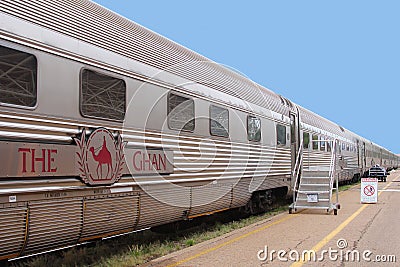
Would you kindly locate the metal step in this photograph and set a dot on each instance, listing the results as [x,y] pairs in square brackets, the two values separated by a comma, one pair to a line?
[302,202]
[321,195]
[312,207]
[319,199]
[315,187]
[315,180]
[314,173]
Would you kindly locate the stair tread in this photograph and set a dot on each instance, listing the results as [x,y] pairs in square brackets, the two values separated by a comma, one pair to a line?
[315,177]
[316,184]
[319,199]
[313,191]
[312,207]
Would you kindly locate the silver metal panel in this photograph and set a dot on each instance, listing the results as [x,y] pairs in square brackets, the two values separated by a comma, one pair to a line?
[155,211]
[109,215]
[275,182]
[211,197]
[53,224]
[241,193]
[12,230]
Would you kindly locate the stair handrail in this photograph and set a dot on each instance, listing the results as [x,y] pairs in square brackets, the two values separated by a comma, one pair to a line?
[296,169]
[332,169]
[333,158]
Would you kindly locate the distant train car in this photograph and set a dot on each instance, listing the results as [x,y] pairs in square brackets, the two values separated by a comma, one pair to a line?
[107,127]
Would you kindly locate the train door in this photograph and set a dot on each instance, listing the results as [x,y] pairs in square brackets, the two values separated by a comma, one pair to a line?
[360,155]
[294,137]
[364,157]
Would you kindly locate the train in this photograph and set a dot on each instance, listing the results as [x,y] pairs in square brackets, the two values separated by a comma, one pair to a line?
[107,127]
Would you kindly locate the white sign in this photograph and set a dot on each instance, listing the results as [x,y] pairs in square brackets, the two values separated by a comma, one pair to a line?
[369,190]
[312,198]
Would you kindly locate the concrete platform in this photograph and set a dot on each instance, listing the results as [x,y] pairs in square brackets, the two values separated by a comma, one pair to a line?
[360,235]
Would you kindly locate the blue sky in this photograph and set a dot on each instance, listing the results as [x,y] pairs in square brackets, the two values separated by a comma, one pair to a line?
[340,59]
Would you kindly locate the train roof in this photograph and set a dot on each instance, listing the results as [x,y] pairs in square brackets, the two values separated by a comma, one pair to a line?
[89,22]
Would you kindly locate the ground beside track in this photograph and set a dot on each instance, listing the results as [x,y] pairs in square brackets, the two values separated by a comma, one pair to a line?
[369,230]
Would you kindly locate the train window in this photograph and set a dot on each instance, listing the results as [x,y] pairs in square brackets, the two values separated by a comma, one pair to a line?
[306,140]
[315,142]
[180,113]
[18,81]
[219,121]
[253,128]
[102,96]
[280,134]
[322,144]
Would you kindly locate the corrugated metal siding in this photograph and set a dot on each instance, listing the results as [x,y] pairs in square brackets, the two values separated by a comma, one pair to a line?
[201,158]
[211,197]
[89,22]
[155,212]
[109,215]
[35,128]
[12,230]
[350,169]
[53,224]
[241,193]
[272,182]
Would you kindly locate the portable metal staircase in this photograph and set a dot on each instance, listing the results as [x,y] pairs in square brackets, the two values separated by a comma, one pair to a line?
[313,186]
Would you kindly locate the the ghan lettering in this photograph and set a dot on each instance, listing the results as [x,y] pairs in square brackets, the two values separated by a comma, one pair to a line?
[143,161]
[38,160]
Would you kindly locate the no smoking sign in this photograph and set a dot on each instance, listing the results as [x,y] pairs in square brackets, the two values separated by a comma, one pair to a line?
[369,190]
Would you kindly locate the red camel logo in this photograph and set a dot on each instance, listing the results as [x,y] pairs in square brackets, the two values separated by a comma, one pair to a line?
[100,158]
[103,157]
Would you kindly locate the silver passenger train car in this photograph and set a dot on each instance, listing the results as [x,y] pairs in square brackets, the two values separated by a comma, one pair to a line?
[107,127]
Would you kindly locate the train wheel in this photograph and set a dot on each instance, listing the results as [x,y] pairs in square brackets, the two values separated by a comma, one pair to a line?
[290,210]
[335,211]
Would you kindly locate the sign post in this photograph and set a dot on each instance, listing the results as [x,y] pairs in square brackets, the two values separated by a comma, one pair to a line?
[369,190]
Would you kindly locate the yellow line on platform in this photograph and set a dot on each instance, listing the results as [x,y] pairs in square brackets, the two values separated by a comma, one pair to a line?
[206,251]
[332,234]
